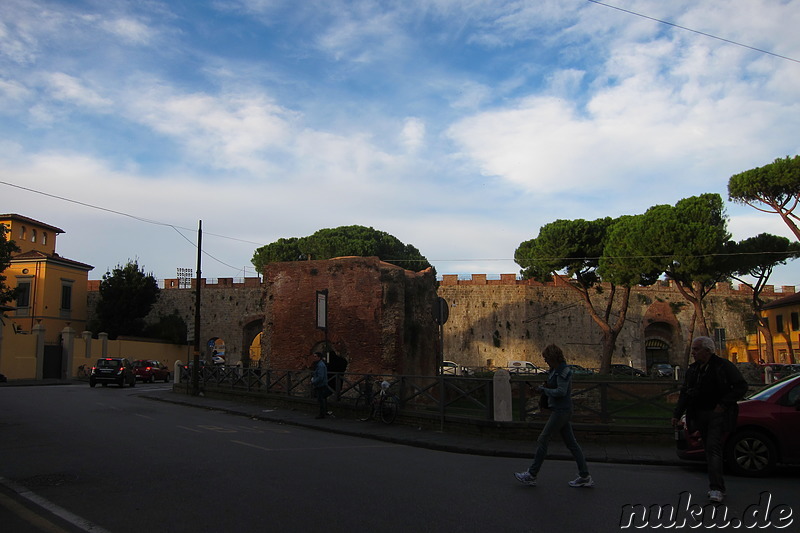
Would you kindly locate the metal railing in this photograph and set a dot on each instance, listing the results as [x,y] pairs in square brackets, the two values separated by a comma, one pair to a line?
[595,400]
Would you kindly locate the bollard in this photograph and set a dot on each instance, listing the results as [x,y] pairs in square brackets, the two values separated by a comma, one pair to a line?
[176,375]
[768,375]
[502,396]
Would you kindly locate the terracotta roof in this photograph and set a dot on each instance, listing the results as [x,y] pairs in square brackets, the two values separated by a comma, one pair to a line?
[792,299]
[36,255]
[20,218]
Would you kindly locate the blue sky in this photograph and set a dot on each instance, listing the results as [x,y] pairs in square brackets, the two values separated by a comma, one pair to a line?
[458,126]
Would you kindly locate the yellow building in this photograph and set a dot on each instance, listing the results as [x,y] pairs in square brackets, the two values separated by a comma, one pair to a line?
[783,320]
[51,289]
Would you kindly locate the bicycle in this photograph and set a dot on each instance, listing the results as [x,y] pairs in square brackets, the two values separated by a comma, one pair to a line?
[383,404]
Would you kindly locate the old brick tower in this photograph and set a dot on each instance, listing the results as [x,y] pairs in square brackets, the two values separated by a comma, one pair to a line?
[379,316]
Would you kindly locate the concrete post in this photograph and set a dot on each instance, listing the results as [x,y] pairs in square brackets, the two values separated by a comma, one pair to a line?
[502,396]
[103,343]
[67,349]
[176,373]
[38,331]
[87,344]
[767,375]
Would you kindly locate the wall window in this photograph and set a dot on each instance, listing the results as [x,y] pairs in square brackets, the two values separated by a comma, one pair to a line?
[44,238]
[795,321]
[23,233]
[33,235]
[779,323]
[23,298]
[66,297]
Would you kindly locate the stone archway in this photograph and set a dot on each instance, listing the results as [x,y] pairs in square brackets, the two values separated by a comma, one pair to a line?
[251,332]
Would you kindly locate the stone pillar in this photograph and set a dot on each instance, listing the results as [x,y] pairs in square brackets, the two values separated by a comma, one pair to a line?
[502,396]
[87,344]
[38,331]
[68,348]
[104,344]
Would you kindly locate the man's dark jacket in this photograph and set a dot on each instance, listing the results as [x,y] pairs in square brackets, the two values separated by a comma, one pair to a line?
[718,382]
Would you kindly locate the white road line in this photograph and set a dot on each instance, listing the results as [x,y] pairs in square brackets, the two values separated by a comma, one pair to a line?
[315,448]
[75,520]
[190,429]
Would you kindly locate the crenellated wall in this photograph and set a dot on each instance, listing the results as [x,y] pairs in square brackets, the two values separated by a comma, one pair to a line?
[498,320]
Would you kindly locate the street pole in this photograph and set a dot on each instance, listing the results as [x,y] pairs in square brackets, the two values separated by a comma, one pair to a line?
[196,364]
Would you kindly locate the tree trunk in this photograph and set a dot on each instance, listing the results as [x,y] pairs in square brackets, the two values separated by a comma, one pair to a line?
[763,330]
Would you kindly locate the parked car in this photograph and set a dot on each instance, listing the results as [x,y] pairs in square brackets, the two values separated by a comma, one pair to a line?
[661,370]
[112,370]
[451,368]
[767,431]
[625,370]
[581,371]
[524,367]
[149,370]
[781,370]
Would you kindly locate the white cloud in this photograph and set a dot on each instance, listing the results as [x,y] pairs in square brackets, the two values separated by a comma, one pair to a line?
[70,89]
[129,29]
[413,133]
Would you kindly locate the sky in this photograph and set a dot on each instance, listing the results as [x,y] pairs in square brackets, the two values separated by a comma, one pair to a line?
[458,126]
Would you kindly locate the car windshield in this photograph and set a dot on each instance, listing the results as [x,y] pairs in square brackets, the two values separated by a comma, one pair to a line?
[108,363]
[769,392]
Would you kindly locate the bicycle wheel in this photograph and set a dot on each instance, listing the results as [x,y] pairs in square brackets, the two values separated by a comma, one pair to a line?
[389,409]
[363,408]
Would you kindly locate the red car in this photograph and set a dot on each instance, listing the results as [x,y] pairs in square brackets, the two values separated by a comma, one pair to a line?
[149,370]
[767,431]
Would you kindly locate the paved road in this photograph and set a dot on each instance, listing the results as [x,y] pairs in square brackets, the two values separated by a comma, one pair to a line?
[115,461]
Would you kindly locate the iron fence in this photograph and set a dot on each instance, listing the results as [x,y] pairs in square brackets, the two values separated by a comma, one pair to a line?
[619,401]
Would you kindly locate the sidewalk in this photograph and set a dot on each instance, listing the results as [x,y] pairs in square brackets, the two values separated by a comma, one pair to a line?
[631,450]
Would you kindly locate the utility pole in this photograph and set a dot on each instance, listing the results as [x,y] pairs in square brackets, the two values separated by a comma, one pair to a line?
[196,364]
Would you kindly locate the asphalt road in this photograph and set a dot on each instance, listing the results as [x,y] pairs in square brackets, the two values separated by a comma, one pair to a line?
[104,459]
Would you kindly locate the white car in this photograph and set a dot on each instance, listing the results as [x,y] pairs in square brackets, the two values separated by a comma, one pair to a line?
[450,368]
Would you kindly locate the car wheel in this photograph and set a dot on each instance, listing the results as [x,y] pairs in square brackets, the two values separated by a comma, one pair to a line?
[92,383]
[751,453]
[133,382]
[105,384]
[166,377]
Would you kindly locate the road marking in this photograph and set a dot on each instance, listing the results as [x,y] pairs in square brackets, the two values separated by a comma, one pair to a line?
[190,429]
[315,448]
[253,445]
[145,416]
[40,521]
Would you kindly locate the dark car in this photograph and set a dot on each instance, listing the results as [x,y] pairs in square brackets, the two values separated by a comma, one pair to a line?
[581,371]
[661,370]
[625,370]
[149,370]
[112,370]
[767,432]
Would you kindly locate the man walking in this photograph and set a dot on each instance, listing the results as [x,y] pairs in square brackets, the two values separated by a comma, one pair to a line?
[710,390]
[320,382]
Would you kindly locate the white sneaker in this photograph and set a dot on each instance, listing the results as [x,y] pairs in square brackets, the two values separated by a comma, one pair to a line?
[582,482]
[716,496]
[526,478]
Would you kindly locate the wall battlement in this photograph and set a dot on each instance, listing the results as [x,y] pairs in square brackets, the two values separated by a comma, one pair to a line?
[769,291]
[665,285]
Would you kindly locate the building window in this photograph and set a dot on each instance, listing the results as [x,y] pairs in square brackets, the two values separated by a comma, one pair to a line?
[779,323]
[66,297]
[795,321]
[23,233]
[23,298]
[719,340]
[33,235]
[44,238]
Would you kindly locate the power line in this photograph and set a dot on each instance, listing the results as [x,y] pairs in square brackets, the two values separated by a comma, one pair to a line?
[694,31]
[140,219]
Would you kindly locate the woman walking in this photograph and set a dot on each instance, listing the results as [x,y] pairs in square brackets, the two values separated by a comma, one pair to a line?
[558,392]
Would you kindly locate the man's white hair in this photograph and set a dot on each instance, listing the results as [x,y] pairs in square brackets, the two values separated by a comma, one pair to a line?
[706,342]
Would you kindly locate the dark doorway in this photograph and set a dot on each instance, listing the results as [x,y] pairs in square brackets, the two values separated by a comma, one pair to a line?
[52,364]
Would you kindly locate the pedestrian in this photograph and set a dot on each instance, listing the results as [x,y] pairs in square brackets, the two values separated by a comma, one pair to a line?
[708,396]
[558,392]
[320,383]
